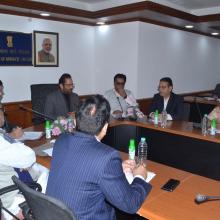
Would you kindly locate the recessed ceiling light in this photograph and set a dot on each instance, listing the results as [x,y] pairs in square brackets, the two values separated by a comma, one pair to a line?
[189,26]
[215,33]
[45,14]
[100,23]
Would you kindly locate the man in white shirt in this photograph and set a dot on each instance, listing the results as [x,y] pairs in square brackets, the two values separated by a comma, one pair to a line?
[15,155]
[122,101]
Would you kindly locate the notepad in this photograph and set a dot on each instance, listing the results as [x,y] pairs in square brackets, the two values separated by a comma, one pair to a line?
[48,151]
[130,177]
[31,135]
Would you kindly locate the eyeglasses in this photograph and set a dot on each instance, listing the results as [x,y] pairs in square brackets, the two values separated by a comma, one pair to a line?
[69,85]
[120,83]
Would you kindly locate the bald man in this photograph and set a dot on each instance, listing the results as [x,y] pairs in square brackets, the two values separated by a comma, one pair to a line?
[44,55]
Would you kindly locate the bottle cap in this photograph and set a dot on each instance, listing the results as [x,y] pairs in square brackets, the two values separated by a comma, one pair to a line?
[143,139]
[132,144]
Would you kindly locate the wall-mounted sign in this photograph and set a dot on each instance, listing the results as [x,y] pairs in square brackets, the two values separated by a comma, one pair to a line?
[15,49]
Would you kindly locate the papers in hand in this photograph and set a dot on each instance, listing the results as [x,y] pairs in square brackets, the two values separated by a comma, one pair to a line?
[48,151]
[31,135]
[130,177]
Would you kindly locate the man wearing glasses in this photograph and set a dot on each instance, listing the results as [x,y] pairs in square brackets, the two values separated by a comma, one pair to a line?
[167,100]
[122,101]
[62,102]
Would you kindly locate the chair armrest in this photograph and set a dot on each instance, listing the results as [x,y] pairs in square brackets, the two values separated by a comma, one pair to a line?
[8,189]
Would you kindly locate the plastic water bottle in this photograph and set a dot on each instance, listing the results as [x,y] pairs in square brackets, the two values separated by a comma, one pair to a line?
[213,126]
[142,152]
[156,117]
[48,129]
[131,149]
[204,125]
[164,119]
[70,125]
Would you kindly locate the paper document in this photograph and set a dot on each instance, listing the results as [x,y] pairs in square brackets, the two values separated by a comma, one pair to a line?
[48,151]
[130,177]
[31,135]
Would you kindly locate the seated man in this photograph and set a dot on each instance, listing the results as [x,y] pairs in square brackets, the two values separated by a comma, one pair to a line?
[87,175]
[62,102]
[14,157]
[167,100]
[121,100]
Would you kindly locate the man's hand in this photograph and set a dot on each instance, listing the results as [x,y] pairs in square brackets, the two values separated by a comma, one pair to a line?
[140,170]
[16,133]
[117,113]
[128,166]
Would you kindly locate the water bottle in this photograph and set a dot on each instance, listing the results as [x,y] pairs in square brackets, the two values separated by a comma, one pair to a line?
[213,126]
[142,152]
[156,117]
[131,149]
[164,119]
[204,125]
[70,125]
[48,129]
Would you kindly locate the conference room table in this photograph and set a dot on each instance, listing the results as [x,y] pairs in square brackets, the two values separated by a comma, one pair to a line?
[160,204]
[200,105]
[179,145]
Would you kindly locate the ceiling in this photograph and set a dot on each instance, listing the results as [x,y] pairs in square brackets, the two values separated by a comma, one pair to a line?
[168,13]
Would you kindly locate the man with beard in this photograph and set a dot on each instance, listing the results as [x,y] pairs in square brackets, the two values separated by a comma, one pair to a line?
[45,55]
[62,102]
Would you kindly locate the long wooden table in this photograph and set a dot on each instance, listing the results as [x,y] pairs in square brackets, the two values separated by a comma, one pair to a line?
[179,145]
[162,205]
[177,205]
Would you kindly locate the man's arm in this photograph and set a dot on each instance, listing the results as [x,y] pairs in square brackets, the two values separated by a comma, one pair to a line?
[117,190]
[16,155]
[178,115]
[49,107]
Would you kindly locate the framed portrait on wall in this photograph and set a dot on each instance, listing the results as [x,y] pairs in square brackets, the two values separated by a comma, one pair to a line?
[46,49]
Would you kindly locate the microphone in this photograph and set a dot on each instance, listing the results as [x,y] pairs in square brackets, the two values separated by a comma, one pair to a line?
[37,113]
[198,108]
[120,104]
[203,198]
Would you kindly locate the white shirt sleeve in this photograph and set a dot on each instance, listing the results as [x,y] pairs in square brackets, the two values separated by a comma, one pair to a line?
[16,154]
[169,117]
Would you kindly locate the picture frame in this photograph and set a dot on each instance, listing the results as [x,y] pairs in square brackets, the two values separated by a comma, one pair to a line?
[46,49]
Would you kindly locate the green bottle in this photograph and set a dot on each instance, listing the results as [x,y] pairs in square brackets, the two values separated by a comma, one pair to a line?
[213,126]
[131,149]
[156,117]
[48,129]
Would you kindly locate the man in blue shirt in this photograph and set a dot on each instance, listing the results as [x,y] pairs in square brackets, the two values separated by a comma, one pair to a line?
[88,175]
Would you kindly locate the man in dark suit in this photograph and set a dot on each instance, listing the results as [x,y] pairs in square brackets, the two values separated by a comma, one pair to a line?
[167,100]
[62,102]
[88,175]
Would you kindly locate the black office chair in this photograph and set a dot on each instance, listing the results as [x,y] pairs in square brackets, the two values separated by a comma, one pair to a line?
[186,111]
[39,94]
[217,90]
[42,206]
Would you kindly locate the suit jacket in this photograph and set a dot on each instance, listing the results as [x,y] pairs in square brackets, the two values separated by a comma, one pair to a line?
[87,176]
[55,104]
[174,106]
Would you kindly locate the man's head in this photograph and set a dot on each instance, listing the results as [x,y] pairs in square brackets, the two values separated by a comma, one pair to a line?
[66,83]
[119,81]
[165,86]
[47,45]
[93,116]
[1,90]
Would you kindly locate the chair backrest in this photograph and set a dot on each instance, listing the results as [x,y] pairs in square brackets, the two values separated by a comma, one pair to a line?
[217,90]
[186,111]
[43,206]
[39,94]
